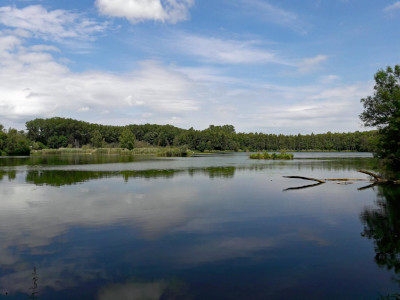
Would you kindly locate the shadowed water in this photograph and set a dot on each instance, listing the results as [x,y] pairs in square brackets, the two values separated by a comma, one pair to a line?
[208,227]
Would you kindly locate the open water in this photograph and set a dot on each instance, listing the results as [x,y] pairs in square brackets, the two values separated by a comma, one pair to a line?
[207,227]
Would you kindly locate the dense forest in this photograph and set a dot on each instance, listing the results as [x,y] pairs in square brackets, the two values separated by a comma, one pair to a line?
[61,132]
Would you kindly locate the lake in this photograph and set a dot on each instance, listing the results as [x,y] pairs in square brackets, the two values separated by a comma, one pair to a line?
[204,227]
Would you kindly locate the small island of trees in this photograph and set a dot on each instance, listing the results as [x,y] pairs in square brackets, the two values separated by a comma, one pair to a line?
[266,155]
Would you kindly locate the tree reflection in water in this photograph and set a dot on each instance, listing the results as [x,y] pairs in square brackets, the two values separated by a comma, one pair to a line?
[382,225]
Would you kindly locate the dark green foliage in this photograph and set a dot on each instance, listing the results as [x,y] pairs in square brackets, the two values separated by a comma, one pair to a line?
[77,133]
[38,146]
[14,142]
[214,138]
[127,139]
[383,107]
[97,139]
[3,139]
[55,142]
[383,111]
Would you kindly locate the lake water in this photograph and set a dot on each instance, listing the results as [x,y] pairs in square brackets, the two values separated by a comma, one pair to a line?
[208,227]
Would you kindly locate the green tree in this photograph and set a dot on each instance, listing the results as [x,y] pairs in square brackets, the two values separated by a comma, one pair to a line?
[127,139]
[17,143]
[56,142]
[97,139]
[3,138]
[383,111]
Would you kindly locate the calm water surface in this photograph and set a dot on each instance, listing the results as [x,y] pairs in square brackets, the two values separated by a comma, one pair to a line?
[207,227]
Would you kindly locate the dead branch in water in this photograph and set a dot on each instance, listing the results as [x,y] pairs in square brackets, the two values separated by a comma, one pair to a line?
[346,179]
[306,178]
[376,180]
[367,186]
[377,177]
[303,186]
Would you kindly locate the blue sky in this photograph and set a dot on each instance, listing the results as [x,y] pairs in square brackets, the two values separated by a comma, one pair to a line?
[261,65]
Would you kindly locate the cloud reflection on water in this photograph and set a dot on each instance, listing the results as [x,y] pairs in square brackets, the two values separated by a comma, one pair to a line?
[182,221]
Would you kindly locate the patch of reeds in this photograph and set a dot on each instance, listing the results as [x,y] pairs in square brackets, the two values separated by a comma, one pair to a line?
[162,151]
[62,151]
[66,151]
[266,155]
[174,152]
[111,151]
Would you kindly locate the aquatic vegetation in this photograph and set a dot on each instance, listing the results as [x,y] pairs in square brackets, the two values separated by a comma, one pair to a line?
[266,155]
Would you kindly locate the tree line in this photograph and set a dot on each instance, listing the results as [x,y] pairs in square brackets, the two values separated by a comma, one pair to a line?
[62,132]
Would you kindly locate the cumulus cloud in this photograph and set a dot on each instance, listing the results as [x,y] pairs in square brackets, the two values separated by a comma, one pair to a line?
[315,109]
[171,11]
[33,84]
[8,43]
[56,25]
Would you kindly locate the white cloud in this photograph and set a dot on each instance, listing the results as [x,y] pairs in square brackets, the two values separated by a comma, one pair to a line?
[327,79]
[307,109]
[227,51]
[312,63]
[171,11]
[271,13]
[54,25]
[42,48]
[393,7]
[9,42]
[33,84]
